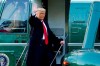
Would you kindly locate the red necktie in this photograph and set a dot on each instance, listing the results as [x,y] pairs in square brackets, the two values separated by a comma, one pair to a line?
[45,33]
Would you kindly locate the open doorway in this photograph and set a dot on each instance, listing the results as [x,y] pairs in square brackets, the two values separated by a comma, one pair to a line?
[45,5]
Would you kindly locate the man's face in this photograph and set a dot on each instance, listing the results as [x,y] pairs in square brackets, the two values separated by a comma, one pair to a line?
[40,14]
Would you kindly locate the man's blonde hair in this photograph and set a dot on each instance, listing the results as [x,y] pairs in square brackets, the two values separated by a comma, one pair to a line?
[40,9]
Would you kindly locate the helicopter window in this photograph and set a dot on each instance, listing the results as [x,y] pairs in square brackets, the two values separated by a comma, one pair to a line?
[14,16]
[98,34]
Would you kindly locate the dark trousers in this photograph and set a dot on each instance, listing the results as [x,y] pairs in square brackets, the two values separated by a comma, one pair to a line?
[39,55]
